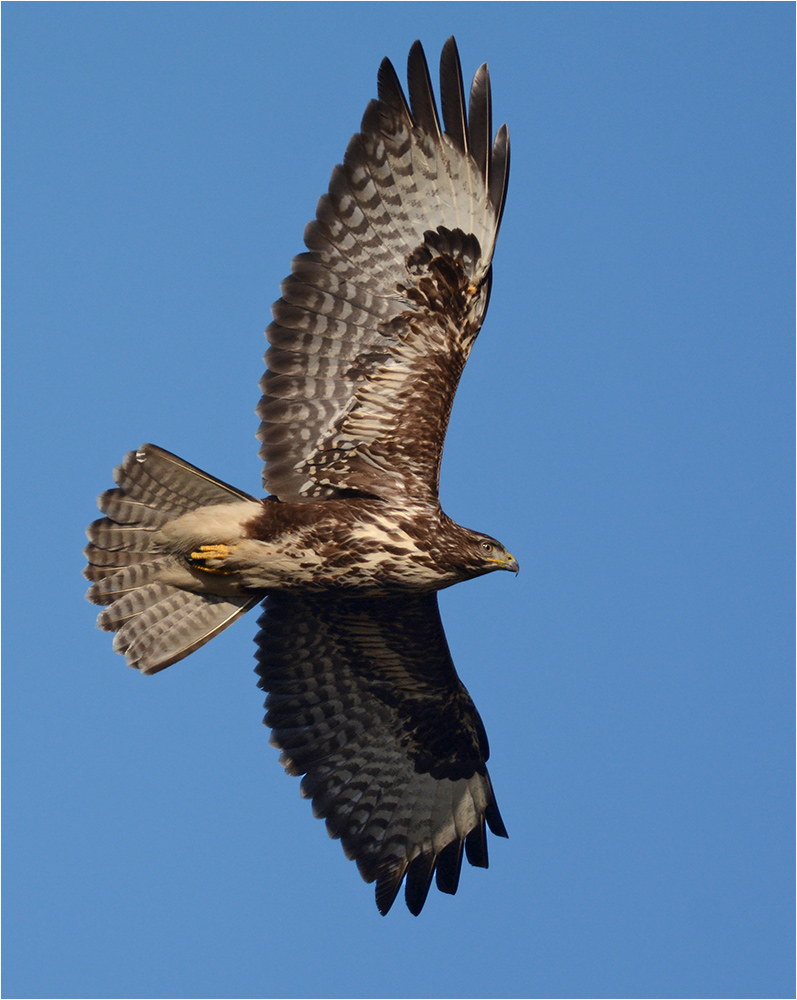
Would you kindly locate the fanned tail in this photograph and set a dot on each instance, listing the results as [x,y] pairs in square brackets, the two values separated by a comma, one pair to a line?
[157,621]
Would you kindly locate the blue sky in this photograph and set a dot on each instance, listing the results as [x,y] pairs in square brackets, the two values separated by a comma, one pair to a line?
[624,426]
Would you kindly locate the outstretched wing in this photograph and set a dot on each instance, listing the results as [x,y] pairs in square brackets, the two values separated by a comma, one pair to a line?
[376,321]
[365,702]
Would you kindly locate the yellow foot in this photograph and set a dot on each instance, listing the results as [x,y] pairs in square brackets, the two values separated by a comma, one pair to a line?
[211,553]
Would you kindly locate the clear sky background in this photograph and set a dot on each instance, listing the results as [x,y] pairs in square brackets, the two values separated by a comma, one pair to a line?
[625,426]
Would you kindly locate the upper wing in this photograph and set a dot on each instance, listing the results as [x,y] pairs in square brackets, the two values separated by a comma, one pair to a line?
[376,321]
[365,702]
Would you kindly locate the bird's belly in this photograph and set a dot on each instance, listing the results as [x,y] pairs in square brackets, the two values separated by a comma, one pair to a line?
[367,569]
[368,555]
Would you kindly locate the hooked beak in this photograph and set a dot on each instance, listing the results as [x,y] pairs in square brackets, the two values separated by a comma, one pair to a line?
[509,563]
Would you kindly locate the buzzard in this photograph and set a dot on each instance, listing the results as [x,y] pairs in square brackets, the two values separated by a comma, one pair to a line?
[348,551]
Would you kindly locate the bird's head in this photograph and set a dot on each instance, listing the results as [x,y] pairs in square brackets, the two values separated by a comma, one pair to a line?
[489,554]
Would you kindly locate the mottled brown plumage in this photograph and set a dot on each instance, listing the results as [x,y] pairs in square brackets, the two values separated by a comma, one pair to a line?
[369,339]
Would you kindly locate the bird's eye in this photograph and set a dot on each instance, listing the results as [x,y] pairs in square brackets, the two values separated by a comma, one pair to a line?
[487,547]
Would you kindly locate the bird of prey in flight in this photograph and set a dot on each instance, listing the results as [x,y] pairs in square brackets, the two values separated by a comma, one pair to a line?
[349,549]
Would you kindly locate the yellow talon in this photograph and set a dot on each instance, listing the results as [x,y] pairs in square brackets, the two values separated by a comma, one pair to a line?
[209,552]
[472,289]
[220,551]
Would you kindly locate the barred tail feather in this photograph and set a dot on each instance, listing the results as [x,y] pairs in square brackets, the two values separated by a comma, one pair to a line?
[157,622]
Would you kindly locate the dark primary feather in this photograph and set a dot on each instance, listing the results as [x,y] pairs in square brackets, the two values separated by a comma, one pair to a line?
[499,172]
[419,85]
[391,96]
[378,317]
[365,702]
[452,96]
[480,121]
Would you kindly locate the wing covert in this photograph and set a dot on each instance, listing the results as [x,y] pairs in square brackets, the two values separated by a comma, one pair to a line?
[377,319]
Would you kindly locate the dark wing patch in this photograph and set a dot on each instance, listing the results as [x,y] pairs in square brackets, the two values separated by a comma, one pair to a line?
[365,702]
[377,320]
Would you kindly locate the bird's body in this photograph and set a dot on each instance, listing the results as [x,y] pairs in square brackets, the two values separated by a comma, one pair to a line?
[364,545]
[360,545]
[368,343]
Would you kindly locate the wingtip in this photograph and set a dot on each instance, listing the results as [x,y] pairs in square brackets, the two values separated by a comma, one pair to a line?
[450,45]
[388,884]
[452,96]
[419,879]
